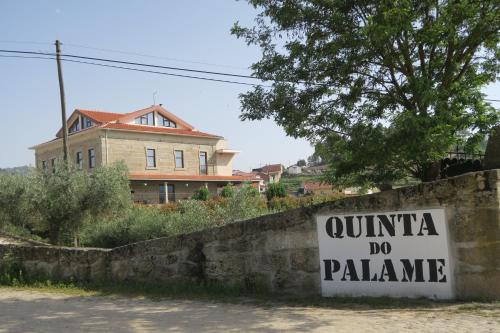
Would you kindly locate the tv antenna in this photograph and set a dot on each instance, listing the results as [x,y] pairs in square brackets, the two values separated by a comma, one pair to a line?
[154,97]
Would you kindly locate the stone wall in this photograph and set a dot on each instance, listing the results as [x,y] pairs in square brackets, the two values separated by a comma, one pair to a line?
[280,252]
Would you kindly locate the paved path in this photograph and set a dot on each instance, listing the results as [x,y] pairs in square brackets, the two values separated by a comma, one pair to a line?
[26,311]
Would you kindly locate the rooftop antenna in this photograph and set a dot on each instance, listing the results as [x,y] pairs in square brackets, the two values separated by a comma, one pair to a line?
[154,97]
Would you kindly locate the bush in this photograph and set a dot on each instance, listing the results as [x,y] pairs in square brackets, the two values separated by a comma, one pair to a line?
[227,191]
[169,207]
[201,194]
[280,204]
[147,222]
[276,190]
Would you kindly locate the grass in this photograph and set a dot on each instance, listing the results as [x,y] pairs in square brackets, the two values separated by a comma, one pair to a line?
[220,293]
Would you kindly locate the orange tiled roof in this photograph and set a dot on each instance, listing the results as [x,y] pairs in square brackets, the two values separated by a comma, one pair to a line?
[168,130]
[119,121]
[100,116]
[142,176]
[270,168]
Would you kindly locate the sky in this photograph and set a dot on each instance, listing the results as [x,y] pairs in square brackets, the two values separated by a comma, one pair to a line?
[191,33]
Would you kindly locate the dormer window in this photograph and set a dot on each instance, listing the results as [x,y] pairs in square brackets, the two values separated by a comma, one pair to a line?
[75,127]
[165,122]
[86,122]
[146,119]
[80,123]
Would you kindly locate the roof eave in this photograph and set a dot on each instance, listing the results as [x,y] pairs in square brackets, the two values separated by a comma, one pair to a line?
[167,133]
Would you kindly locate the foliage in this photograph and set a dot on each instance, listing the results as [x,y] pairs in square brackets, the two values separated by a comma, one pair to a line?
[293,183]
[56,203]
[275,190]
[14,202]
[301,163]
[11,270]
[201,194]
[383,88]
[227,191]
[282,204]
[246,203]
[147,222]
[314,160]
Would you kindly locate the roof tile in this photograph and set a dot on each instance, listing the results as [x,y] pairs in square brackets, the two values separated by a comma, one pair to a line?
[153,129]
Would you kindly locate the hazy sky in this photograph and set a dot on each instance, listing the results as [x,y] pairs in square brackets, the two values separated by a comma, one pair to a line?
[189,33]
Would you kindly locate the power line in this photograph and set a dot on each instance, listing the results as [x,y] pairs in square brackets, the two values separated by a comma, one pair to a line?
[137,70]
[134,64]
[48,54]
[152,56]
[125,52]
[23,42]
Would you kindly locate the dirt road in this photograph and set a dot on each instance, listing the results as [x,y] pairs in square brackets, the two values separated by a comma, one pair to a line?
[29,311]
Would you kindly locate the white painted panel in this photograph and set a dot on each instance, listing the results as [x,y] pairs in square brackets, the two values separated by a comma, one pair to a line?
[418,251]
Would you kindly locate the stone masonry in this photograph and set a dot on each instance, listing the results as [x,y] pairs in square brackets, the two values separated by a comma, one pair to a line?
[279,252]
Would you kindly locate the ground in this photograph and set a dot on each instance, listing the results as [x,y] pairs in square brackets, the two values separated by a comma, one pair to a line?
[28,310]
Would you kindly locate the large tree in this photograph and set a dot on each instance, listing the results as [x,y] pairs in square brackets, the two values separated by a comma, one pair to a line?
[383,88]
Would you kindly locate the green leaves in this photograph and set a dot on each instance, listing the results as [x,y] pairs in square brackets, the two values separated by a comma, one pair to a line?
[406,74]
[56,203]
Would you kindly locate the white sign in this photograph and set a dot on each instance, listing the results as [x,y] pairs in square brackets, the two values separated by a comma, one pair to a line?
[400,254]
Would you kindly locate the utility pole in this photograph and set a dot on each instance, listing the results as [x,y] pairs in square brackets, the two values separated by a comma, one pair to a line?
[63,101]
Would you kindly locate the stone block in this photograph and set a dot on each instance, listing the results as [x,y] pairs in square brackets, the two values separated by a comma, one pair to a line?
[306,260]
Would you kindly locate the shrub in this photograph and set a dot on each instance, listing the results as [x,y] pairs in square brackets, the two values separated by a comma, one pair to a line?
[201,194]
[169,207]
[246,203]
[280,204]
[227,191]
[147,222]
[276,190]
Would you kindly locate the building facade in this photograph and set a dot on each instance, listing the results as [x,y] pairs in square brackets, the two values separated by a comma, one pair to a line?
[272,172]
[167,158]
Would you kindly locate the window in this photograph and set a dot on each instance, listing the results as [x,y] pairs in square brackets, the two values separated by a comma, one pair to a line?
[179,159]
[75,127]
[53,164]
[79,160]
[203,163]
[151,158]
[171,192]
[167,122]
[86,122]
[44,165]
[146,119]
[91,158]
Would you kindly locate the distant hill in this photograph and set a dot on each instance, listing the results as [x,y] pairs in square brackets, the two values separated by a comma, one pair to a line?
[22,170]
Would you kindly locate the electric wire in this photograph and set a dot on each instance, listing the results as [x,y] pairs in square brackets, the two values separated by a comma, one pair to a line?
[125,52]
[52,55]
[138,70]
